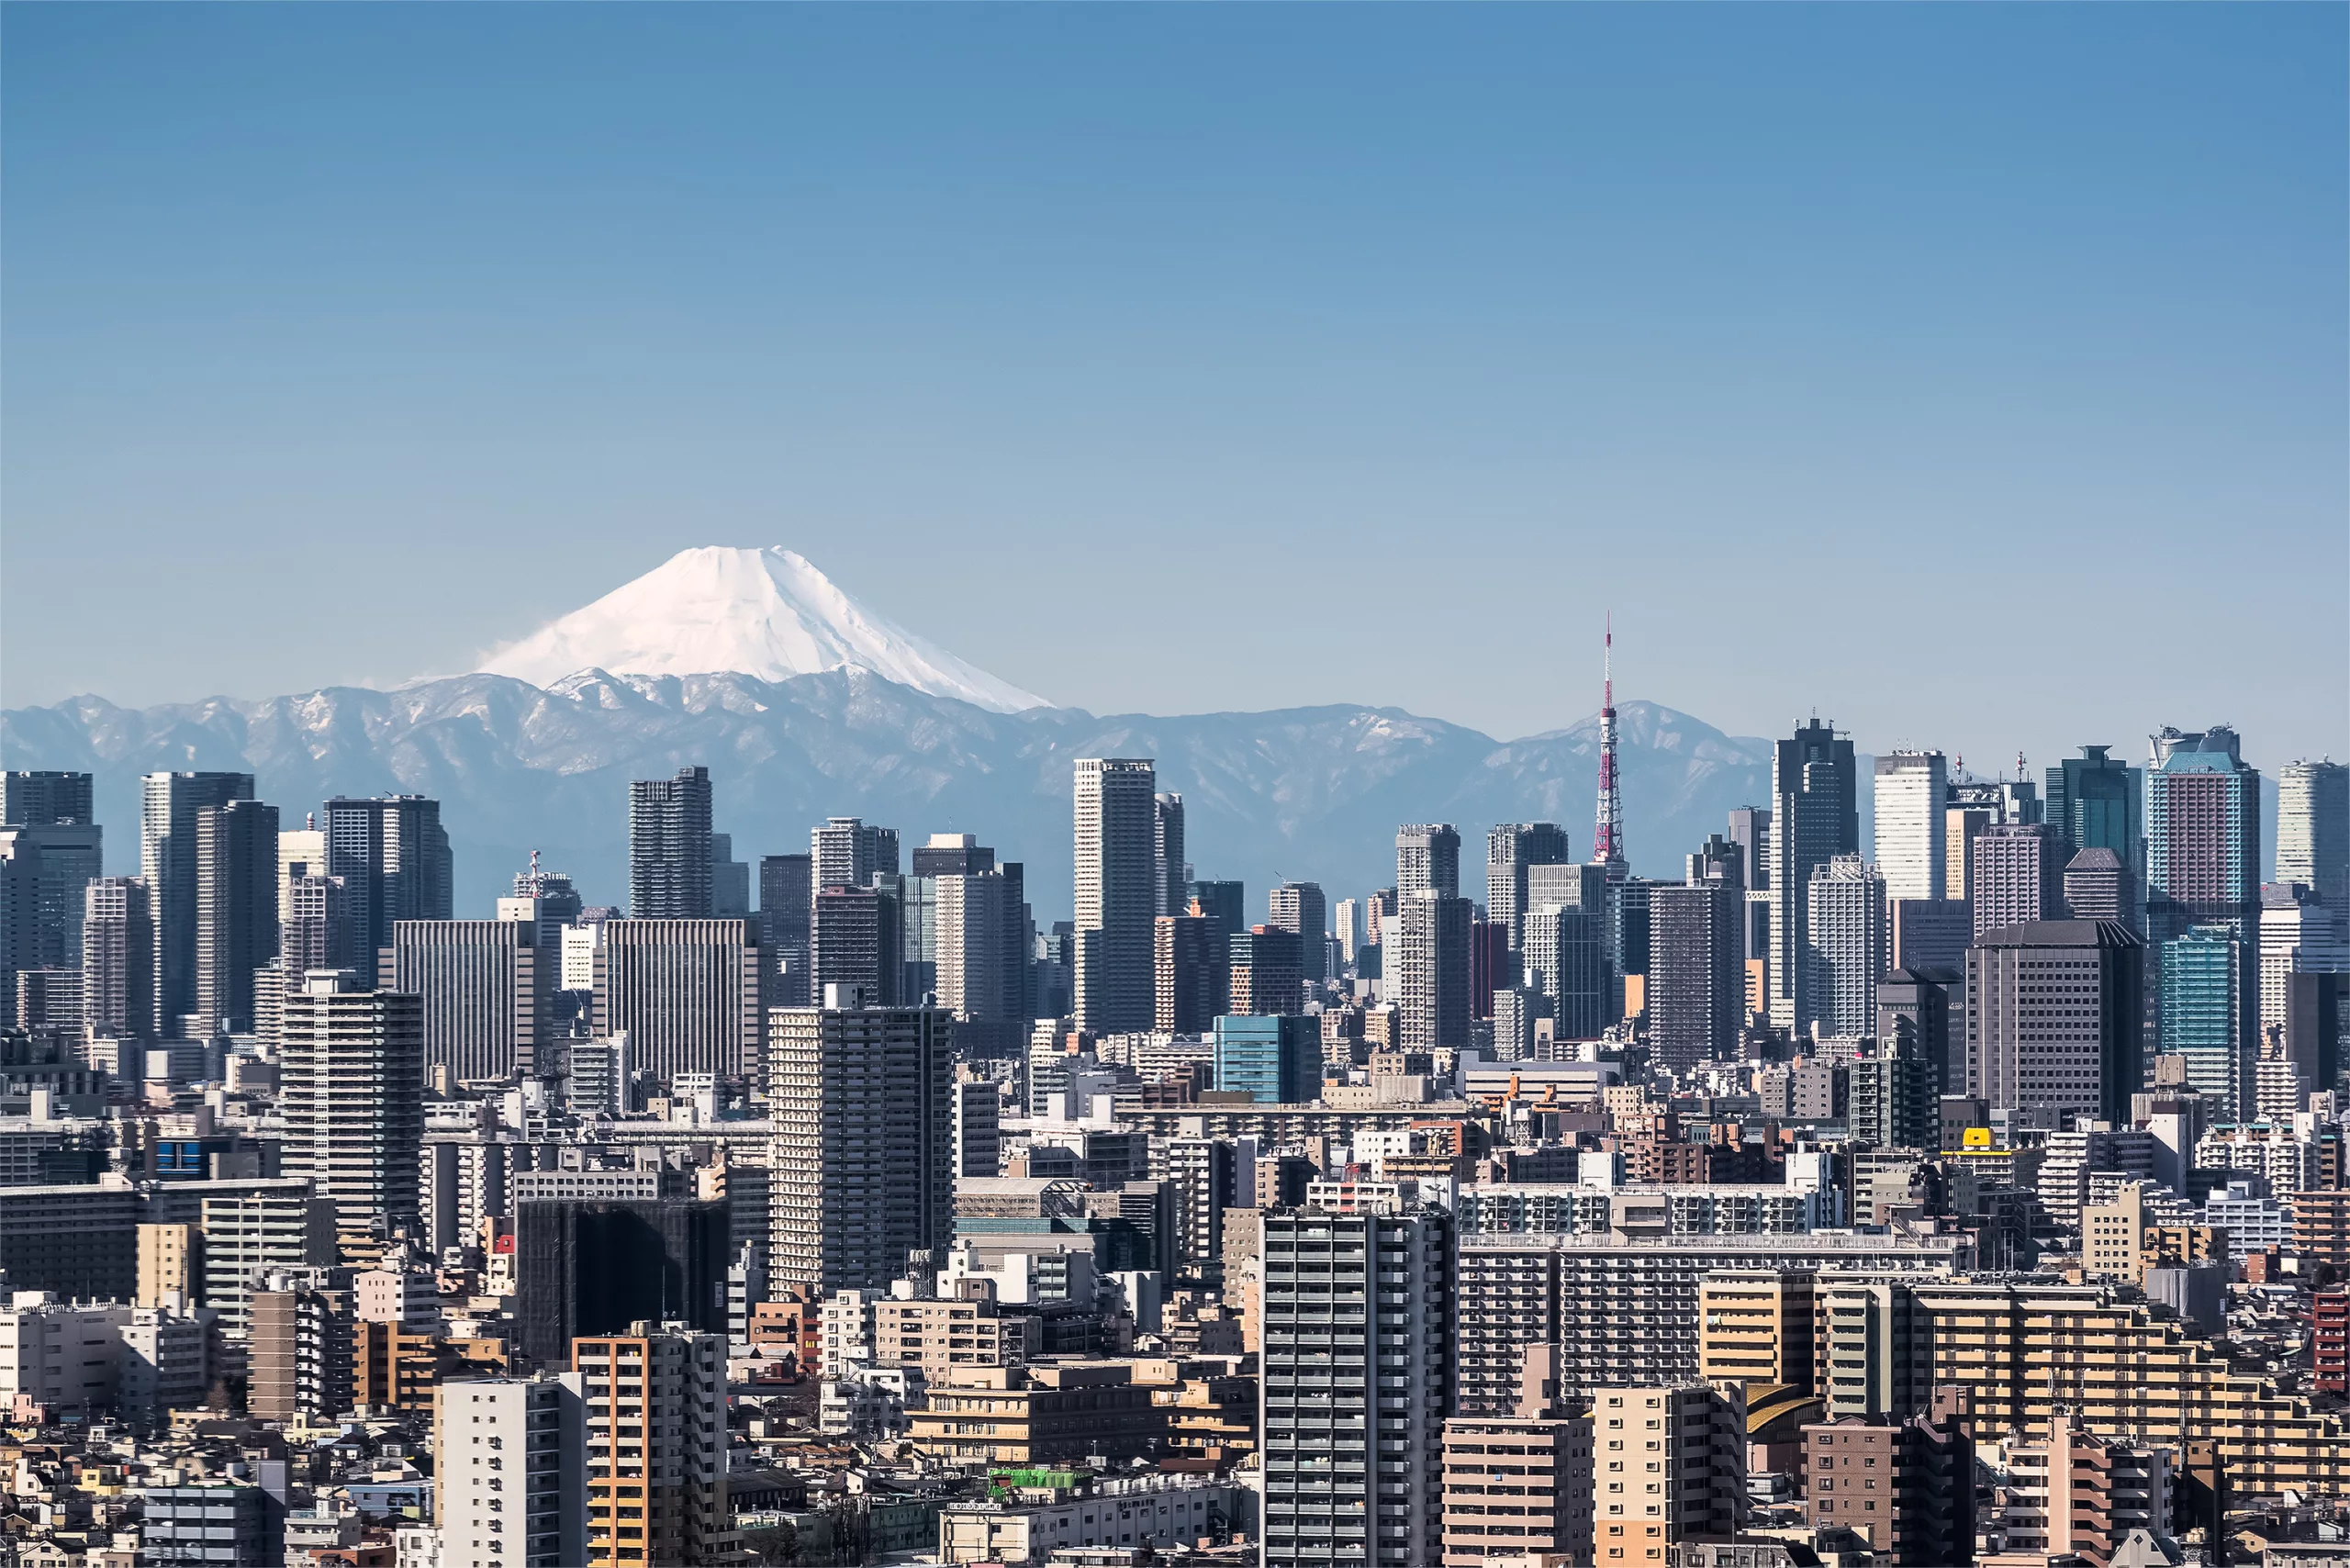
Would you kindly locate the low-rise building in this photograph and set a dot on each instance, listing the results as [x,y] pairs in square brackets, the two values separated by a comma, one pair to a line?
[1030,1514]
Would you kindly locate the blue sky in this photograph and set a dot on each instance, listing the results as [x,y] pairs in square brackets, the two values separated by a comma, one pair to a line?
[1975,375]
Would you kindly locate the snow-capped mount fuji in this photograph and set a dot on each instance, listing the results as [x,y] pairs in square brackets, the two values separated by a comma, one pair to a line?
[766,613]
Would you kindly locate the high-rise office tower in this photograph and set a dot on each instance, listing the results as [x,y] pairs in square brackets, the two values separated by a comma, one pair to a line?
[351,1078]
[1913,1011]
[1815,816]
[1930,932]
[2205,973]
[687,992]
[595,1265]
[729,881]
[657,1489]
[1184,967]
[315,931]
[861,1168]
[2098,886]
[44,799]
[1963,824]
[555,894]
[1695,988]
[1345,924]
[1354,1396]
[1428,859]
[301,852]
[848,854]
[2096,801]
[856,937]
[511,1471]
[393,856]
[1565,959]
[1628,942]
[1267,974]
[64,851]
[1224,906]
[1749,829]
[1275,1059]
[1427,970]
[1299,907]
[2313,831]
[1116,859]
[19,882]
[2203,854]
[1171,881]
[1844,922]
[2054,1017]
[669,853]
[236,910]
[167,865]
[980,941]
[1909,838]
[1489,964]
[486,986]
[916,900]
[786,901]
[2017,876]
[118,960]
[1509,850]
[2299,934]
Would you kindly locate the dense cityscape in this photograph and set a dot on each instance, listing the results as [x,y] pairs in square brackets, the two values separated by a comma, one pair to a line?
[1982,1200]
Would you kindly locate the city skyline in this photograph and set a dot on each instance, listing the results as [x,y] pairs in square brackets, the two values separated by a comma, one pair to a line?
[1629,309]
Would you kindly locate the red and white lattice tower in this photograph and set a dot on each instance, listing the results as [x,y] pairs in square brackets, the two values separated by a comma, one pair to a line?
[1607,835]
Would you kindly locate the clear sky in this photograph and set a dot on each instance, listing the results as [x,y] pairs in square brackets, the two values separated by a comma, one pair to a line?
[1972,375]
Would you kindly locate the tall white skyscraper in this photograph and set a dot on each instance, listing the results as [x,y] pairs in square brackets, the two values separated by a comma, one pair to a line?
[1117,891]
[1910,837]
[2298,936]
[1845,941]
[1428,859]
[2313,831]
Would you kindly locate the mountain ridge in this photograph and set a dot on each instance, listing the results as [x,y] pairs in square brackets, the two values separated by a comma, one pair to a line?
[1311,792]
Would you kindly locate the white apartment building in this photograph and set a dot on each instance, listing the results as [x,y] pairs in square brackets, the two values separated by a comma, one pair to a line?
[512,1477]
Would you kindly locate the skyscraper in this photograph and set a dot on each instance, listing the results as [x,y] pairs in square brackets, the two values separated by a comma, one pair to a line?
[393,856]
[1909,838]
[2298,936]
[1427,969]
[848,854]
[352,1088]
[118,960]
[1299,908]
[64,851]
[2098,803]
[1267,978]
[1815,816]
[167,865]
[862,1163]
[44,799]
[2313,831]
[2054,1017]
[315,931]
[1509,850]
[981,941]
[1171,880]
[687,992]
[1185,965]
[729,881]
[236,910]
[1566,960]
[1354,1396]
[2206,972]
[2203,854]
[484,985]
[2098,886]
[668,846]
[1428,859]
[856,938]
[786,901]
[1695,988]
[1117,873]
[1844,923]
[2017,875]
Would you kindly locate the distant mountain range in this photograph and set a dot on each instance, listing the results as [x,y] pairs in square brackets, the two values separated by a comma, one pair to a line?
[1312,794]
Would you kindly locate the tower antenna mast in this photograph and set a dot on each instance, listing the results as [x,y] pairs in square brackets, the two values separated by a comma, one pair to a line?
[1607,834]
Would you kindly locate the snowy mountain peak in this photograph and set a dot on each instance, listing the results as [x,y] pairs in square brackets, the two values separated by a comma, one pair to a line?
[767,613]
